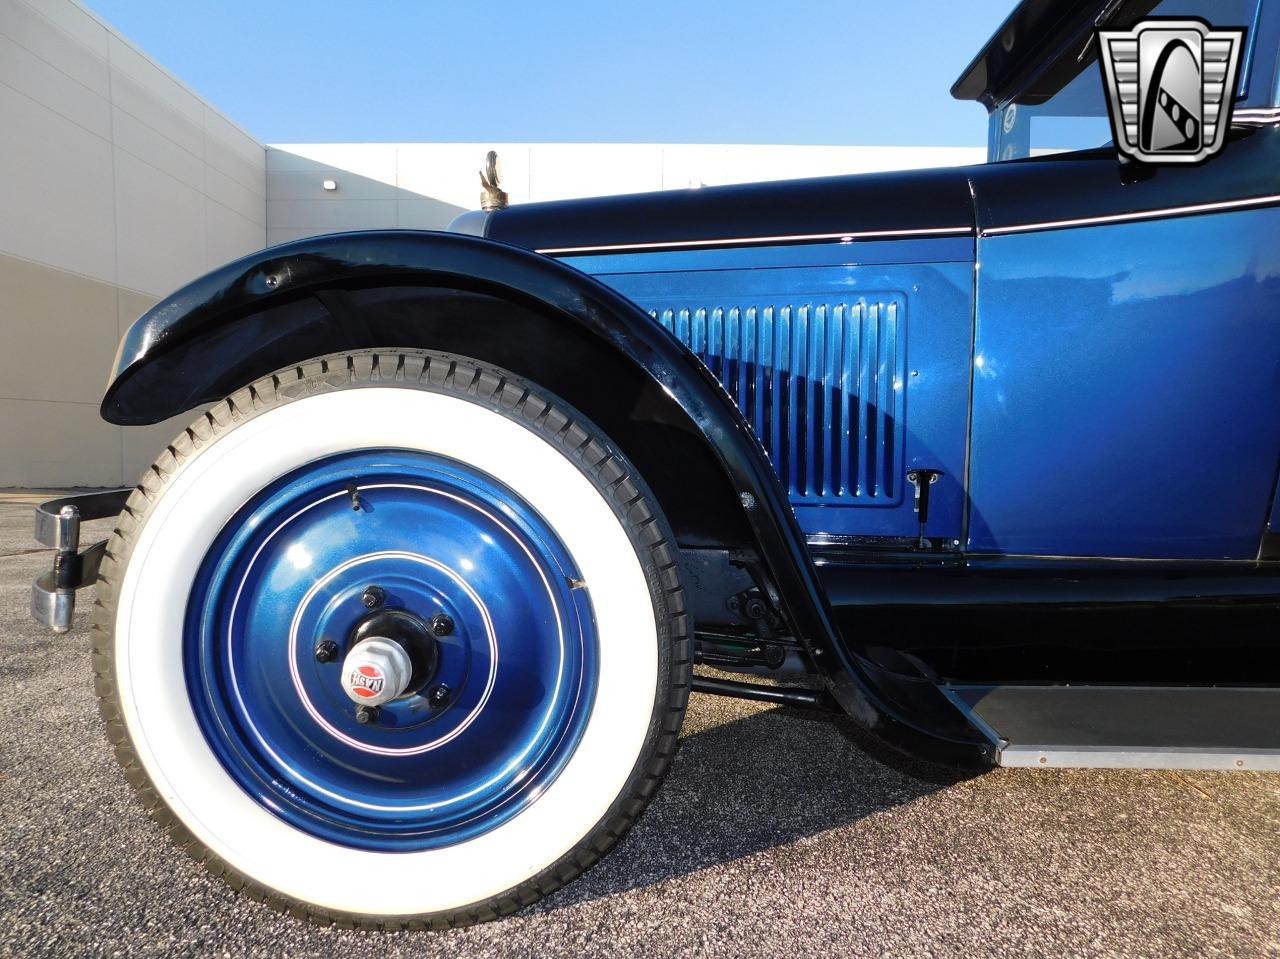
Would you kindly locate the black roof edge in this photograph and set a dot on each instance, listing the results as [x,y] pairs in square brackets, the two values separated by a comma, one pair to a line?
[1032,34]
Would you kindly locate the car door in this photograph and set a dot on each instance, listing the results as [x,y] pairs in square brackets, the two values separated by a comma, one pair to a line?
[1126,397]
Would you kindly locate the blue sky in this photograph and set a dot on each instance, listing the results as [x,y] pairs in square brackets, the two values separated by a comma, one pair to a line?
[679,71]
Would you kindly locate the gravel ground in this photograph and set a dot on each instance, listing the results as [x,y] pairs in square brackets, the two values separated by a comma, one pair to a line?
[776,834]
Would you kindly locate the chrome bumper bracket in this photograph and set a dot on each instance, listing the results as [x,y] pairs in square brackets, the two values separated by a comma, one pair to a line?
[57,524]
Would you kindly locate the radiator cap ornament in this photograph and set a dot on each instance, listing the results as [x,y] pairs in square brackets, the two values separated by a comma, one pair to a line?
[493,197]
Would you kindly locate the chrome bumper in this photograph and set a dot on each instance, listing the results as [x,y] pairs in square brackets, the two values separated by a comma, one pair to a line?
[57,524]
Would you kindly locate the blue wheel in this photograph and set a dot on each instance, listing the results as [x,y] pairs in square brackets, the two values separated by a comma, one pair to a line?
[420,632]
[439,569]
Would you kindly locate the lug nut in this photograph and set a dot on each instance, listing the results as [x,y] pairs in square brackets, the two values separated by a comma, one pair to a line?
[365,715]
[441,625]
[438,695]
[374,596]
[326,651]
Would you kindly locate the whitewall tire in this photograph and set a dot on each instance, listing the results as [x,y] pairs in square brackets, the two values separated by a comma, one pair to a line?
[537,588]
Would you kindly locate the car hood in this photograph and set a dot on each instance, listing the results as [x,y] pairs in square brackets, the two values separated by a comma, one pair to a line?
[904,202]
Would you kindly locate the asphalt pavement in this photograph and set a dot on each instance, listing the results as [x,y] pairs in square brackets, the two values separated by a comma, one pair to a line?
[775,835]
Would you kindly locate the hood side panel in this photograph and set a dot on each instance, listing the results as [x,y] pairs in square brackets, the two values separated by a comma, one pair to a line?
[898,202]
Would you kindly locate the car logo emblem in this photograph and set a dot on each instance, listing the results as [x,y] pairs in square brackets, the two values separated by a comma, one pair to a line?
[1170,88]
[366,681]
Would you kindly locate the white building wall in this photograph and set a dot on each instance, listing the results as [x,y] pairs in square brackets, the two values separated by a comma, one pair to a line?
[117,185]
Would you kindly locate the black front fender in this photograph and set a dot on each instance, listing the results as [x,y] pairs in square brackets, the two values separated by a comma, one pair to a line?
[542,320]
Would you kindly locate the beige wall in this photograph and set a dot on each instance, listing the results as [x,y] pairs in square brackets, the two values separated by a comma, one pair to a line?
[117,185]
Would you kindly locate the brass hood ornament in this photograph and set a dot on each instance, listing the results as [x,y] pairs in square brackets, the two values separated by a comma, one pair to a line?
[492,197]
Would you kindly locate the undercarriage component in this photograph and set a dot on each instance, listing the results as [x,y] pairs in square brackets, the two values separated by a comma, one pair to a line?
[737,653]
[780,695]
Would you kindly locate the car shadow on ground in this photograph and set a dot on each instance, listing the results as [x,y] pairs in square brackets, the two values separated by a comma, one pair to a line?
[757,779]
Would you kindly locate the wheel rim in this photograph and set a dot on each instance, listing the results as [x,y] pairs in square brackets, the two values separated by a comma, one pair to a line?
[289,573]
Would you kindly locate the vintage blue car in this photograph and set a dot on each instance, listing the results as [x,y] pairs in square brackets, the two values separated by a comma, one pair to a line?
[401,629]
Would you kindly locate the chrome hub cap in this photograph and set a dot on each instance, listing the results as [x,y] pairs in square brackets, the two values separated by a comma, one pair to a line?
[376,671]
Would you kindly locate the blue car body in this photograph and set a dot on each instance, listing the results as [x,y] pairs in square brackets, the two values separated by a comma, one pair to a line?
[1149,347]
[1001,459]
[1090,363]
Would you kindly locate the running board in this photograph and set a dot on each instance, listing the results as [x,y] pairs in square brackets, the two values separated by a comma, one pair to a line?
[1127,727]
[1120,757]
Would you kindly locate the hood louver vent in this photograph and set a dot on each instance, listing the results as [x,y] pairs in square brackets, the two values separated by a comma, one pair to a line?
[821,383]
